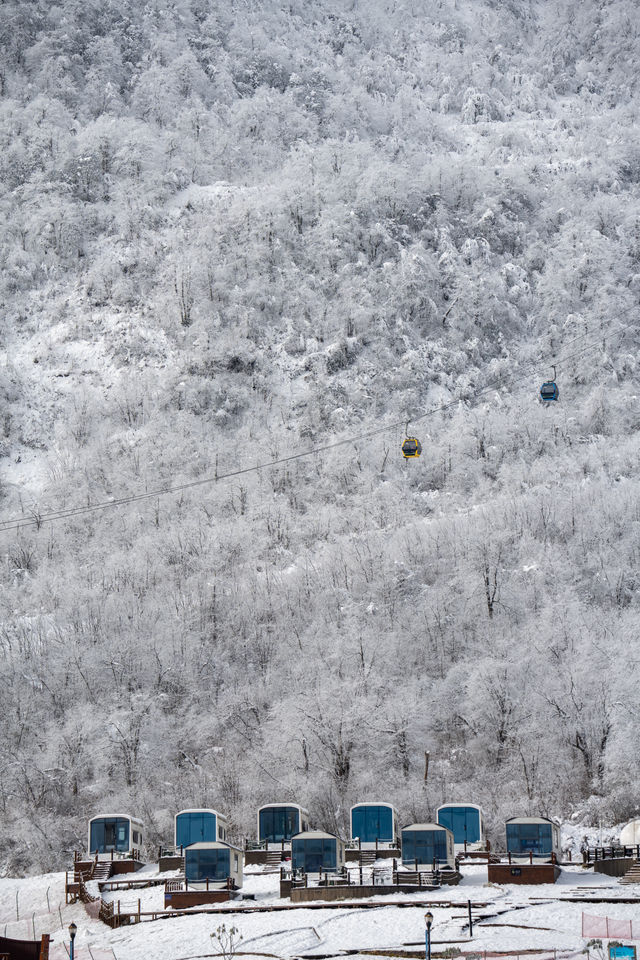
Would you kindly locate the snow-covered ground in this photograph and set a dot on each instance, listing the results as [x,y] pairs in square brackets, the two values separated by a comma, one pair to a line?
[515,918]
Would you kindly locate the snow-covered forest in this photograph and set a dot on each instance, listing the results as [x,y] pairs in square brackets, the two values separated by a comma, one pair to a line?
[236,230]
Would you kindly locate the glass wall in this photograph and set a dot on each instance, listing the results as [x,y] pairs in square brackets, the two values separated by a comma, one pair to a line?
[207,864]
[371,822]
[464,823]
[109,833]
[314,855]
[195,827]
[279,823]
[425,846]
[527,838]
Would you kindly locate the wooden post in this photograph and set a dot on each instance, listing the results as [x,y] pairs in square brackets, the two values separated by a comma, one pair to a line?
[531,857]
[470,919]
[509,855]
[138,909]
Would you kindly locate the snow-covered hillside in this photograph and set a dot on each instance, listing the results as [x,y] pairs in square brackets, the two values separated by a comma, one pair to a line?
[233,232]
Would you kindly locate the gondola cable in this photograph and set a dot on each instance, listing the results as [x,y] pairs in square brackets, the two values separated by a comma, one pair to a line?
[37,520]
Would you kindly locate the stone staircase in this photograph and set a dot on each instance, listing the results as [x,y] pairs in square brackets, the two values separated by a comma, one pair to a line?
[632,875]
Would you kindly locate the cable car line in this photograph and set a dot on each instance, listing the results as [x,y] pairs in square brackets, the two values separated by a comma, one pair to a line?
[16,523]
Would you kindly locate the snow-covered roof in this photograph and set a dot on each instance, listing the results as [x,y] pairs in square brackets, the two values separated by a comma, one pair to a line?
[426,826]
[531,820]
[116,816]
[202,810]
[211,845]
[315,835]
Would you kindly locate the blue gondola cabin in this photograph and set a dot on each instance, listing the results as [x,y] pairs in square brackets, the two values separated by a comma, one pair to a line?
[314,851]
[466,824]
[374,824]
[116,835]
[279,822]
[549,391]
[215,863]
[199,826]
[533,836]
[428,845]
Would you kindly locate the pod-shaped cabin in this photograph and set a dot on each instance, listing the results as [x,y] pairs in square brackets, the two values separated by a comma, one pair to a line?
[466,824]
[314,851]
[532,836]
[630,834]
[427,844]
[213,862]
[199,826]
[116,834]
[279,822]
[373,824]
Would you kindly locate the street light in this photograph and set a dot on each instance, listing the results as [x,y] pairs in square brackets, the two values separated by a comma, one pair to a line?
[428,919]
[72,933]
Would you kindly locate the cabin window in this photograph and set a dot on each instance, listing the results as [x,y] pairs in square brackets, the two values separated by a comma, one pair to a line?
[425,846]
[464,823]
[314,855]
[197,826]
[278,823]
[206,864]
[524,838]
[109,834]
[371,822]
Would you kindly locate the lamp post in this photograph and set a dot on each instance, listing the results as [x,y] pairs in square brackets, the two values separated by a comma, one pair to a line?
[72,934]
[428,919]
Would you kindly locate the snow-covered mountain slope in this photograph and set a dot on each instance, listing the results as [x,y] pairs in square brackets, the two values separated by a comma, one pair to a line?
[236,232]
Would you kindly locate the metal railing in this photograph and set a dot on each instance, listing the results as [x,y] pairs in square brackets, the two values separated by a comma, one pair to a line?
[593,854]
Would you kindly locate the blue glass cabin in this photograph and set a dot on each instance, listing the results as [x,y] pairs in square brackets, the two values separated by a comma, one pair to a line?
[214,862]
[317,852]
[465,822]
[279,822]
[374,822]
[538,836]
[199,826]
[549,391]
[426,844]
[117,834]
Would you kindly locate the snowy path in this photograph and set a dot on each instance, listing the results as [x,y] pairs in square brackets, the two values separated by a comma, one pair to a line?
[516,918]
